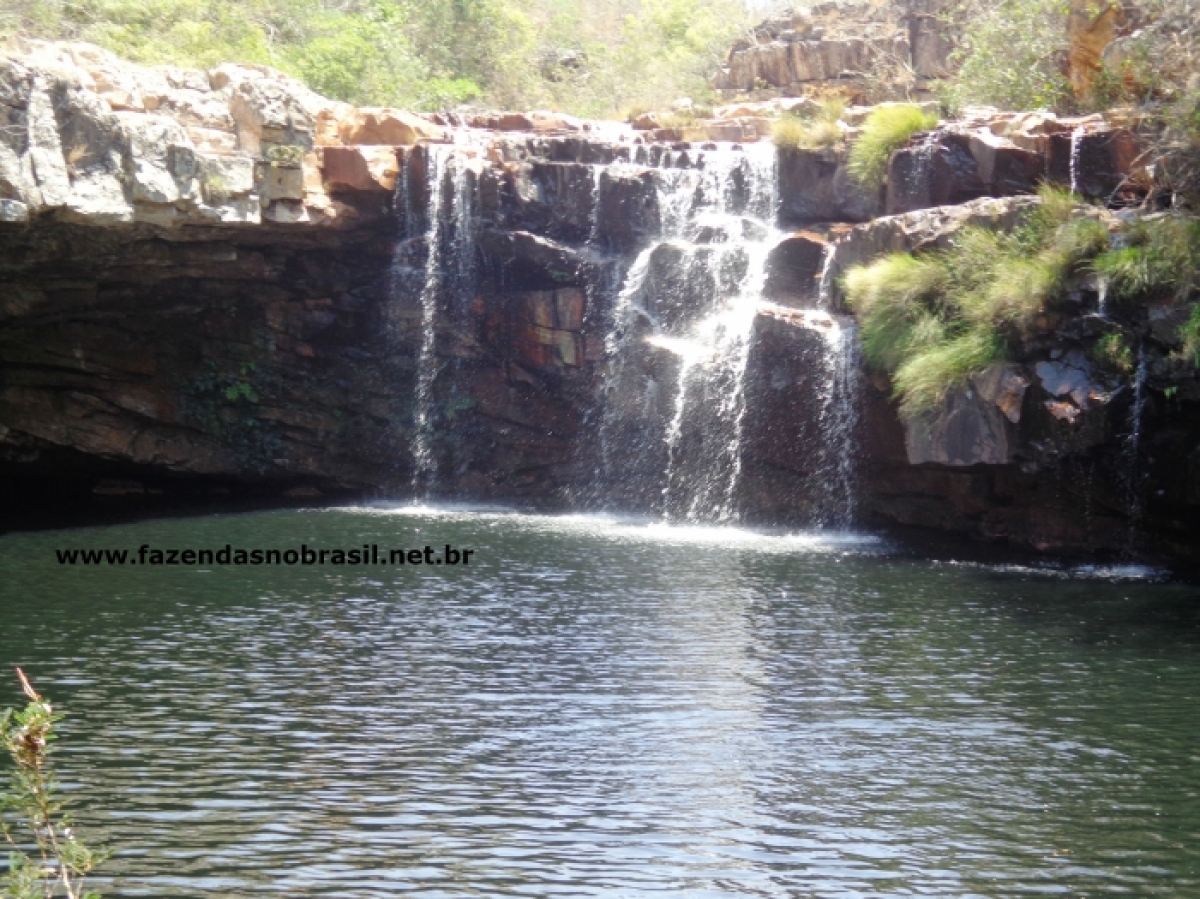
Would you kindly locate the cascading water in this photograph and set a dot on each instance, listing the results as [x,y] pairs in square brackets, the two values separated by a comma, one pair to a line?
[825,289]
[1076,147]
[1133,481]
[693,296]
[839,426]
[449,274]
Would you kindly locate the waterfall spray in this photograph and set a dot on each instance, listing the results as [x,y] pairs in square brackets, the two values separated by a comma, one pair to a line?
[839,426]
[449,272]
[694,294]
[1133,478]
[825,289]
[1076,147]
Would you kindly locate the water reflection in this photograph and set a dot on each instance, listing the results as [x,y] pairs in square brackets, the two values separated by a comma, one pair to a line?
[602,707]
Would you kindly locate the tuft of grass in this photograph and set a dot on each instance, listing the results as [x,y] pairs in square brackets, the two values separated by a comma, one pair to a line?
[1019,289]
[932,321]
[1081,238]
[811,130]
[1189,333]
[287,155]
[1161,259]
[886,130]
[924,379]
[1113,351]
[1057,207]
[892,298]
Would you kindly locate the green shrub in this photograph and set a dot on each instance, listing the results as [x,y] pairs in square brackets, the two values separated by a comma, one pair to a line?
[1189,333]
[811,129]
[886,130]
[1161,259]
[428,55]
[32,803]
[1012,55]
[932,321]
[924,379]
[1113,351]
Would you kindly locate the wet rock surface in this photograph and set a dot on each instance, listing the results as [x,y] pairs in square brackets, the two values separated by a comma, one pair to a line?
[217,283]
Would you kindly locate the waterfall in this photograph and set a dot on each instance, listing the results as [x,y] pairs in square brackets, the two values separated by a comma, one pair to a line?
[681,333]
[594,215]
[1102,302]
[449,274]
[839,426]
[920,180]
[1076,146]
[1132,479]
[825,290]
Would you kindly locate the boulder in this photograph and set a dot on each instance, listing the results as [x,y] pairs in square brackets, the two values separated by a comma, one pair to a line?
[359,168]
[388,127]
[794,269]
[1104,158]
[627,215]
[815,186]
[968,430]
[526,261]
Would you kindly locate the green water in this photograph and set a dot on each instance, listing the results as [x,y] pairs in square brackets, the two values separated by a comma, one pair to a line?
[601,709]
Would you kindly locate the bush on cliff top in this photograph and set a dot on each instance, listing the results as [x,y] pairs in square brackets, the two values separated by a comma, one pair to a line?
[811,129]
[1013,55]
[1189,333]
[1016,54]
[1160,259]
[886,130]
[932,321]
[591,58]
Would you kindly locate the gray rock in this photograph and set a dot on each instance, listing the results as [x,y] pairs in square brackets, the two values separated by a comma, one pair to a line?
[968,430]
[1069,377]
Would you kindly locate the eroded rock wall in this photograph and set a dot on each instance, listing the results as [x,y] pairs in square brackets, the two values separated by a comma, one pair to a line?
[214,282]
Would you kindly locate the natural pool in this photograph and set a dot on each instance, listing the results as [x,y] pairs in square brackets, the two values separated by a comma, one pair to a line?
[602,708]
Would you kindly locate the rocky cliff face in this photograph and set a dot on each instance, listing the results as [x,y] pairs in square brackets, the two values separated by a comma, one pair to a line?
[218,282]
[877,49]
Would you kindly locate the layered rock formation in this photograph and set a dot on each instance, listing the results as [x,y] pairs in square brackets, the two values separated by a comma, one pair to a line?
[862,46]
[216,282]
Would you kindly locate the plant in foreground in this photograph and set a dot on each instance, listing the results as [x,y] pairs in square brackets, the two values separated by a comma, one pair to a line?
[62,862]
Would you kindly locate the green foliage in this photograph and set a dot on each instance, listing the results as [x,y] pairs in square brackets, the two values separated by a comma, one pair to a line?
[285,155]
[932,321]
[220,401]
[811,129]
[1113,351]
[216,190]
[925,377]
[33,815]
[1161,258]
[589,59]
[894,299]
[1013,56]
[1189,334]
[886,130]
